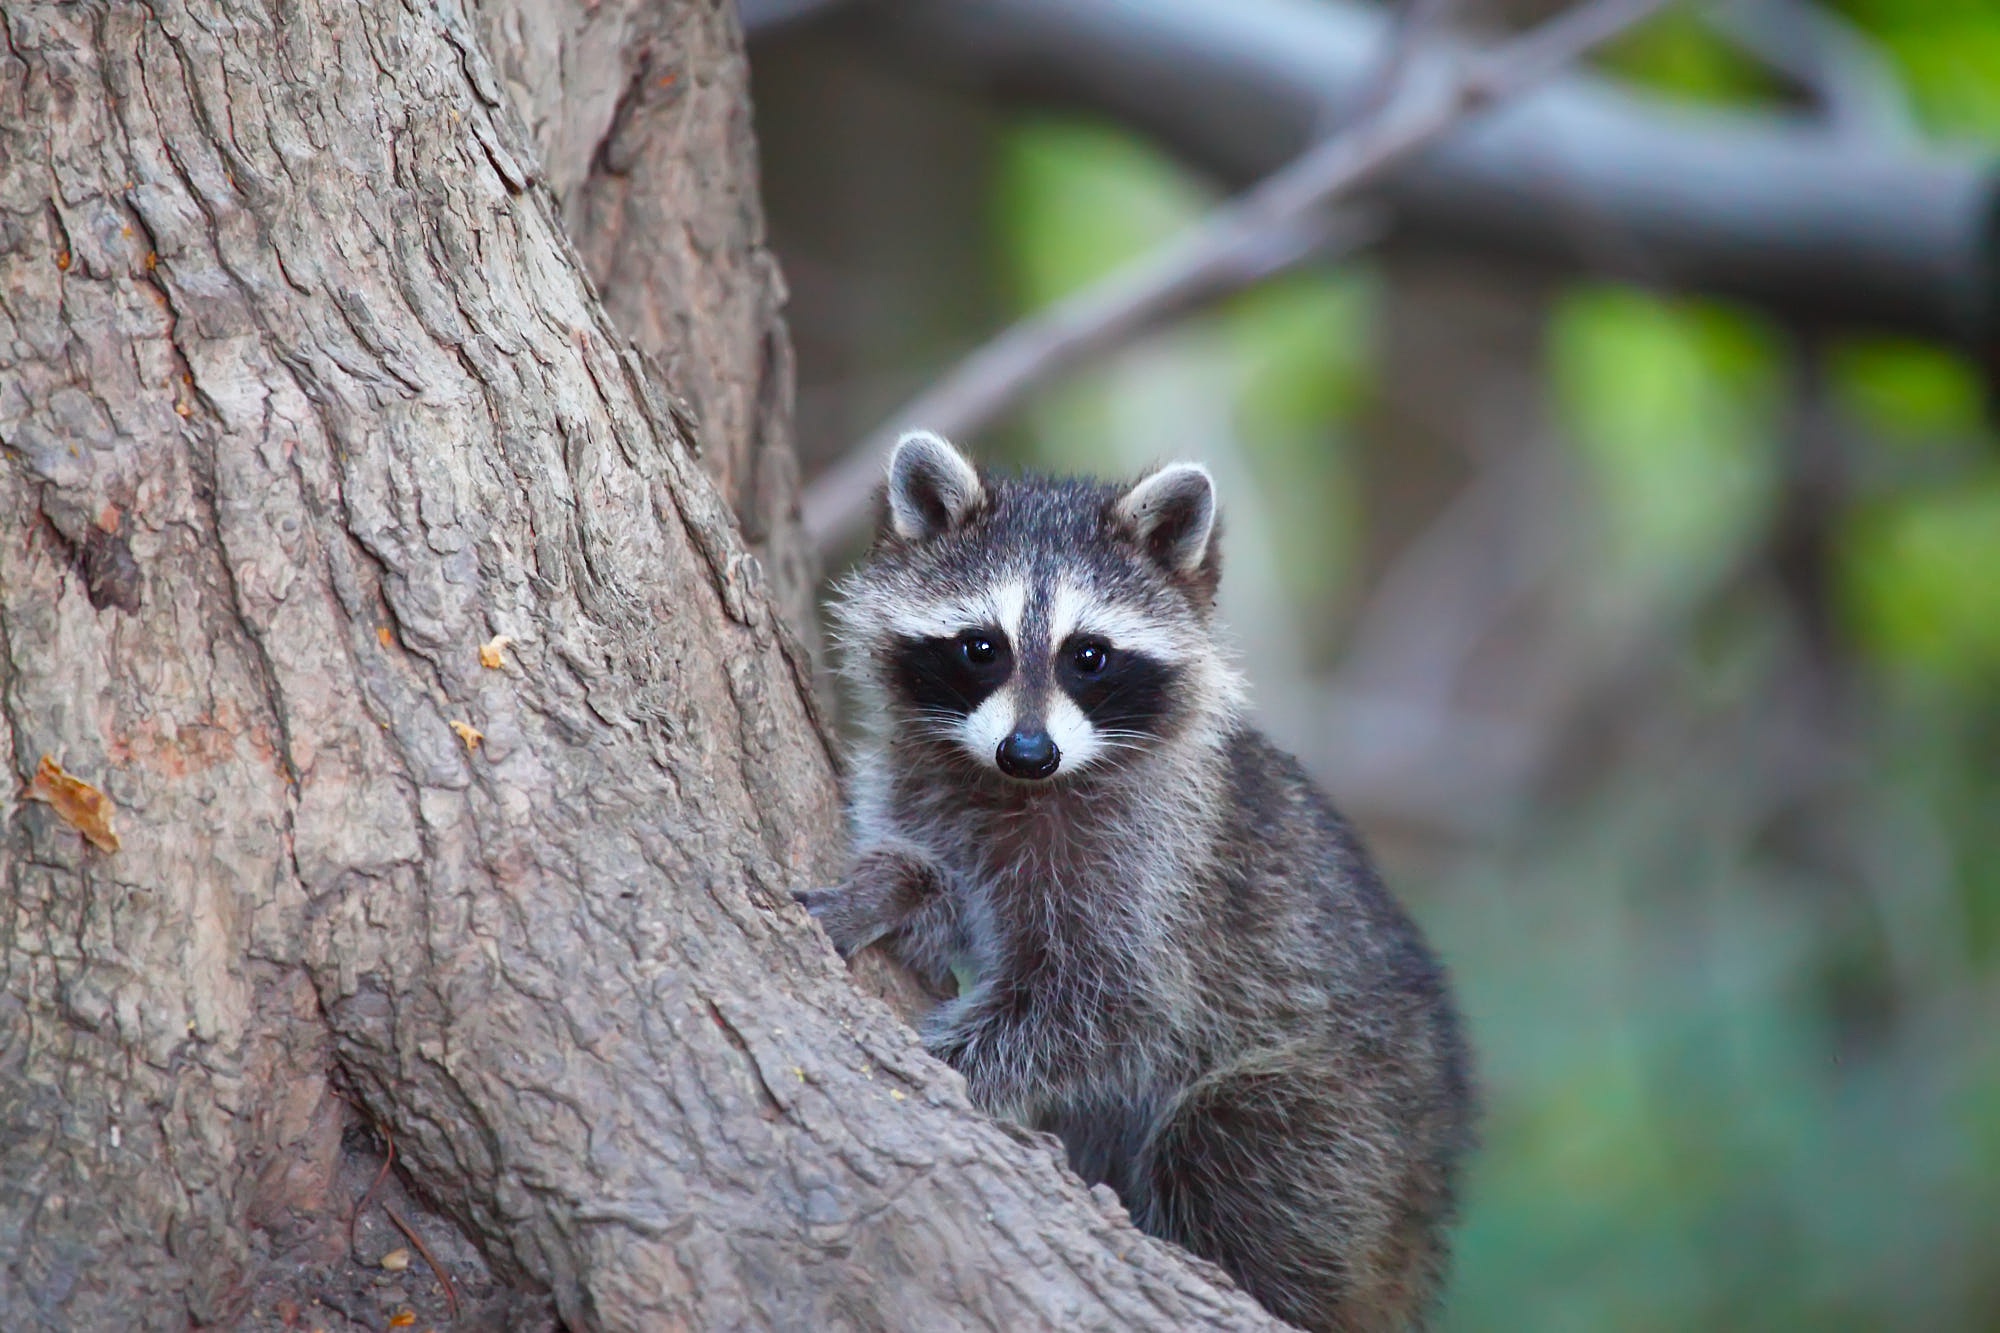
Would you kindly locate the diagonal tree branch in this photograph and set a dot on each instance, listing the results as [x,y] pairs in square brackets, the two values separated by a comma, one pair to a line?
[1417,24]
[1579,174]
[1243,241]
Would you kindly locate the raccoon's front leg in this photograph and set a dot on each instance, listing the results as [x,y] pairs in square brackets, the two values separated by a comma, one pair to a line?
[992,1051]
[898,893]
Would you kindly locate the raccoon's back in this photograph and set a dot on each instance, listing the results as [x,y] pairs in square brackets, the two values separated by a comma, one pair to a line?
[1340,1097]
[1298,898]
[1325,968]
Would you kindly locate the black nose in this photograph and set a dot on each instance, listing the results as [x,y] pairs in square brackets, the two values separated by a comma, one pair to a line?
[1028,754]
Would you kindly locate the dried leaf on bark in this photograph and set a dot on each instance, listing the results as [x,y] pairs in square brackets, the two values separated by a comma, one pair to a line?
[82,806]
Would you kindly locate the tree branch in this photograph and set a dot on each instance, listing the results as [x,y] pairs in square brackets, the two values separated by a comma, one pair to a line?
[1237,243]
[1852,85]
[1767,207]
[1416,24]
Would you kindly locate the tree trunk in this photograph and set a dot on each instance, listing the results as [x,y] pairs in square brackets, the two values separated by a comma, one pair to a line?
[643,130]
[304,398]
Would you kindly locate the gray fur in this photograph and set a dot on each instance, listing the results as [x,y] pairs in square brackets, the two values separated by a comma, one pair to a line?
[1179,958]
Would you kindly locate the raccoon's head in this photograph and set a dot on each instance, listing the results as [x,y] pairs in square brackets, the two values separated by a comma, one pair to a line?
[1038,628]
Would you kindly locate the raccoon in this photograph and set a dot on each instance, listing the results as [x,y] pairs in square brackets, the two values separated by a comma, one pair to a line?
[1159,940]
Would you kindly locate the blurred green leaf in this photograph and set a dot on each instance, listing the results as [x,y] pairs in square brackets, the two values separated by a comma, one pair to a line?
[1907,392]
[1680,54]
[1305,347]
[1078,198]
[1673,406]
[1948,52]
[1954,76]
[1922,577]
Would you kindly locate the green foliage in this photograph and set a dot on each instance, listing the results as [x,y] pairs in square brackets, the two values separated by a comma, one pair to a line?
[1908,393]
[1307,358]
[1920,566]
[1077,199]
[1922,579]
[1300,353]
[1674,408]
[1948,52]
[1680,1136]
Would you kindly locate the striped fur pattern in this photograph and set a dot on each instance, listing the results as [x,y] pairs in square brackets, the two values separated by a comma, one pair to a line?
[1169,950]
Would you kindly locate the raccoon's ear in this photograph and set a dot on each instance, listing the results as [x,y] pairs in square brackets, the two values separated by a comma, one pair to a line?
[1172,514]
[932,487]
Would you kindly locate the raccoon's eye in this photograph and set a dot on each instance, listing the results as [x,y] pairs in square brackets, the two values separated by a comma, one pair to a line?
[1089,658]
[977,649]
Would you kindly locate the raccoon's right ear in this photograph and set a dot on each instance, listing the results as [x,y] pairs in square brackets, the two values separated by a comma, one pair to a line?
[932,487]
[1172,515]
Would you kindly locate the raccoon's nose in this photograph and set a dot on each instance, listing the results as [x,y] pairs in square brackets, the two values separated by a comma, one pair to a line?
[1028,754]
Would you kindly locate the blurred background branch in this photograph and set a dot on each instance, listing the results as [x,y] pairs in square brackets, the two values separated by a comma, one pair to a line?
[1415,96]
[1232,251]
[1754,204]
[1854,91]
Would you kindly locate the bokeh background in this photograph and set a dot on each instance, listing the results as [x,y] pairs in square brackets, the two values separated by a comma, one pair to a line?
[1653,639]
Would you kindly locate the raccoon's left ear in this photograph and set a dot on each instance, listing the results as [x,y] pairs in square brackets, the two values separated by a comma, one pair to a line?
[1172,514]
[932,486]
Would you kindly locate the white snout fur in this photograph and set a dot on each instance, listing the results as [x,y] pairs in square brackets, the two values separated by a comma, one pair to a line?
[987,725]
[1073,733]
[996,718]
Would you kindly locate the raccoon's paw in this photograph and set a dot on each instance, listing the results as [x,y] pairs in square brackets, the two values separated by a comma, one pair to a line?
[888,886]
[850,922]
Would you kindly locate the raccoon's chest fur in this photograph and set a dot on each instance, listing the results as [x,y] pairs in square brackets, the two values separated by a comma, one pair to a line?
[1071,902]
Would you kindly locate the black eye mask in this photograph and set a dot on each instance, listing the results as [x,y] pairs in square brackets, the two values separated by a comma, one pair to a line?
[1128,691]
[952,675]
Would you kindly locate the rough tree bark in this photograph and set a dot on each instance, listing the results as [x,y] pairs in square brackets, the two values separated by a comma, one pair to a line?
[641,122]
[305,396]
